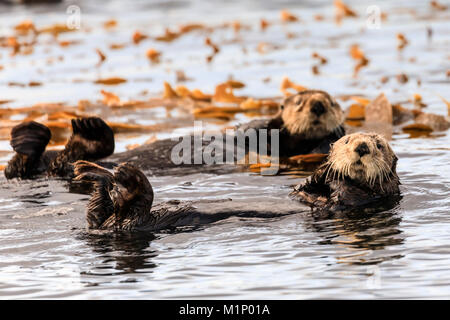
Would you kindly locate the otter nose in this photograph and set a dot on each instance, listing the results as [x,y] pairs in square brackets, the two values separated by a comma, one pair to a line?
[362,149]
[318,108]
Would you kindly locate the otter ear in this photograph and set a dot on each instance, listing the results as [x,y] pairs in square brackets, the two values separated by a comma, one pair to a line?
[335,104]
[394,164]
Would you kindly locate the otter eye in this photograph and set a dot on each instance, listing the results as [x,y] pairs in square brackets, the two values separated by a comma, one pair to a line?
[347,140]
[282,106]
[379,145]
[298,100]
[299,106]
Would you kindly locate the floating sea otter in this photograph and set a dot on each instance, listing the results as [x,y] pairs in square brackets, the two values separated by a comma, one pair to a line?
[308,122]
[122,200]
[360,173]
[92,139]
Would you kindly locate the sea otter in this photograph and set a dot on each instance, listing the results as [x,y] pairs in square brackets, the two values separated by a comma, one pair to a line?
[308,122]
[92,139]
[360,173]
[123,201]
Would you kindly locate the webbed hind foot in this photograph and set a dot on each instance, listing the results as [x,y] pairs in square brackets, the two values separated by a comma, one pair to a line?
[92,139]
[29,140]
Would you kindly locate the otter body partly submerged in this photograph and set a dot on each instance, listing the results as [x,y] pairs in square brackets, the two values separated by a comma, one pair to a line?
[308,122]
[360,173]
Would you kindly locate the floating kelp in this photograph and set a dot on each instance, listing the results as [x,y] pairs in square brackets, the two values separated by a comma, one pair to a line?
[224,93]
[286,16]
[288,84]
[153,55]
[343,11]
[138,37]
[214,47]
[110,81]
[402,41]
[357,54]
[101,56]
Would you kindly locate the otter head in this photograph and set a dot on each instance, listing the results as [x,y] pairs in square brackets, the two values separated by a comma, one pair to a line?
[132,183]
[312,114]
[365,158]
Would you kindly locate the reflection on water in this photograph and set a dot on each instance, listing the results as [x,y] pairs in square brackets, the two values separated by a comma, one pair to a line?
[363,231]
[122,251]
[129,253]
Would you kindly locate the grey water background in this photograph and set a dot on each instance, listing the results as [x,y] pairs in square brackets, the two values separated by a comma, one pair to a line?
[403,253]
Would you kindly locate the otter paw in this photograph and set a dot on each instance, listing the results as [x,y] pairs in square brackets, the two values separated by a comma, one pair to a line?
[92,128]
[83,167]
[30,138]
[129,176]
[96,138]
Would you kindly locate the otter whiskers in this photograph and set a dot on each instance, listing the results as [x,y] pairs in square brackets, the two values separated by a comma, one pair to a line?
[360,170]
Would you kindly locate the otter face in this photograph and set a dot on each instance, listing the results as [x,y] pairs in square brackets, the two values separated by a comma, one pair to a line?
[313,114]
[363,157]
[132,182]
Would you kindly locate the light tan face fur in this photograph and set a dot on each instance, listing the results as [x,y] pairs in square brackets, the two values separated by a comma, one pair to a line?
[299,117]
[364,157]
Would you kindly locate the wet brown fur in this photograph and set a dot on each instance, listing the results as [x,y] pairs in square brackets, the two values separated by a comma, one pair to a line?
[121,200]
[308,122]
[92,139]
[300,118]
[350,177]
